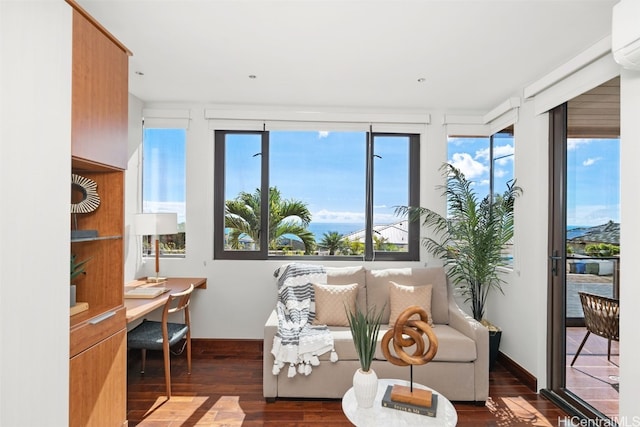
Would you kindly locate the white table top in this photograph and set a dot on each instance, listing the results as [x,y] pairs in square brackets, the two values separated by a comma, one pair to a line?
[388,417]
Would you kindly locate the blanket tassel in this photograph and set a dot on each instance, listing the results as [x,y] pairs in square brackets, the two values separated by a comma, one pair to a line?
[334,356]
[315,361]
[292,371]
[276,368]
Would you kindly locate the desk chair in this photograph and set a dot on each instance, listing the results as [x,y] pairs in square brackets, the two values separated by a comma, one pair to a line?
[601,317]
[152,335]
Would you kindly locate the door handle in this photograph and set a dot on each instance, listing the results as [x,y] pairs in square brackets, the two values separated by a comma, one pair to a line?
[554,259]
[102,317]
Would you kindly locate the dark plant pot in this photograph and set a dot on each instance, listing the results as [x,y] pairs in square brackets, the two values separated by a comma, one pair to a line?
[72,295]
[494,345]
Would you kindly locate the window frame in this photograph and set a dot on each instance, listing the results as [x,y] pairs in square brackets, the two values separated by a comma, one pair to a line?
[413,234]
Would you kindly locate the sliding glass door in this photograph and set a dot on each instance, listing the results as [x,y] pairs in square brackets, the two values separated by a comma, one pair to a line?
[583,251]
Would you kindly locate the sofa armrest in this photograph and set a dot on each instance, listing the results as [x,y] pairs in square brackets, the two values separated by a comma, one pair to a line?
[269,381]
[473,329]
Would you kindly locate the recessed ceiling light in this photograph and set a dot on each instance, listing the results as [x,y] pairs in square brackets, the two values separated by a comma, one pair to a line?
[421,79]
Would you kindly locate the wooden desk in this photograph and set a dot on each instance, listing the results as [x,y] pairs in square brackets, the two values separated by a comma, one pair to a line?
[138,307]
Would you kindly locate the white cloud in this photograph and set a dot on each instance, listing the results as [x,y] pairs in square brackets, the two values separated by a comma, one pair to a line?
[323,134]
[590,161]
[325,215]
[590,215]
[482,155]
[499,173]
[574,143]
[505,152]
[468,166]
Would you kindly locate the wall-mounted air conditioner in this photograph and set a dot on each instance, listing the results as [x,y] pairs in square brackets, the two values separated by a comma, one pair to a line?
[625,34]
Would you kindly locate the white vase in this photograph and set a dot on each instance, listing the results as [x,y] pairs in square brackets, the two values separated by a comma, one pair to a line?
[365,387]
[72,296]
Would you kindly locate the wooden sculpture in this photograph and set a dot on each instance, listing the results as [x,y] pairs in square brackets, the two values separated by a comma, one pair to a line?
[407,333]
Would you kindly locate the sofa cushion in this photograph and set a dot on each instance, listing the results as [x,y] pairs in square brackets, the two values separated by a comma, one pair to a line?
[453,346]
[342,343]
[332,303]
[401,297]
[378,289]
[346,276]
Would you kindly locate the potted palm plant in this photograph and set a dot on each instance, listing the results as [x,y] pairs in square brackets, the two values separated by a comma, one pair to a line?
[471,240]
[364,329]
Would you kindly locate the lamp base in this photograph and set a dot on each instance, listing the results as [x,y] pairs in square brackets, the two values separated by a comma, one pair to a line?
[156,279]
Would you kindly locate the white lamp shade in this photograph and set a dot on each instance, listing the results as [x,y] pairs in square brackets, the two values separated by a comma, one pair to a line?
[155,224]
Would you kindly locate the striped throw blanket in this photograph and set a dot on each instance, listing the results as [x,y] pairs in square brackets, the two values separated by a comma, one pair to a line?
[298,342]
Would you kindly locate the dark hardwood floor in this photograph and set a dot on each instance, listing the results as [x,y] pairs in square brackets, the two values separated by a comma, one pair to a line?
[225,389]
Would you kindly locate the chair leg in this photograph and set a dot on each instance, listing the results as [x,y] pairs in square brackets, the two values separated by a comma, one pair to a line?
[189,352]
[144,359]
[580,348]
[609,351]
[167,367]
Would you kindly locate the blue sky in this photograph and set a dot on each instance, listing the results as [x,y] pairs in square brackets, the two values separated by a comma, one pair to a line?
[593,183]
[164,166]
[328,174]
[593,177]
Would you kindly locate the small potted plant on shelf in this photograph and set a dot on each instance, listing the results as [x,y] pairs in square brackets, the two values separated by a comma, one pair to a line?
[364,329]
[77,269]
[471,240]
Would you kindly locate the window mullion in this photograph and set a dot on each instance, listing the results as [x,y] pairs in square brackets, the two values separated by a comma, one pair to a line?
[264,199]
[368,235]
[491,165]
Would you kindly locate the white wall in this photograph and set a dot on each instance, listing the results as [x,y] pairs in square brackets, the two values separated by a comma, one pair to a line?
[522,311]
[34,220]
[240,294]
[132,201]
[629,248]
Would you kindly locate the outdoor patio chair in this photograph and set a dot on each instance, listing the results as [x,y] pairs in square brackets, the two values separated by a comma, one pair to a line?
[601,317]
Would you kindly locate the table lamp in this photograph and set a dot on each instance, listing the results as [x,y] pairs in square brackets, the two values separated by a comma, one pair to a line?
[156,224]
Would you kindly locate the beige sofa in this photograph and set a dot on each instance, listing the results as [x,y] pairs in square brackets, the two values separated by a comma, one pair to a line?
[460,369]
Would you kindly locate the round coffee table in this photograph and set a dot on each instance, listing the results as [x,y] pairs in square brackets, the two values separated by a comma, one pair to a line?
[378,415]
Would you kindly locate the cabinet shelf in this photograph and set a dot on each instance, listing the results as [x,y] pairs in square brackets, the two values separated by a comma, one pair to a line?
[93,239]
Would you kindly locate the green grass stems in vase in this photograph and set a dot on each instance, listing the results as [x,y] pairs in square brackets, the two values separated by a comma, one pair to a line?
[364,329]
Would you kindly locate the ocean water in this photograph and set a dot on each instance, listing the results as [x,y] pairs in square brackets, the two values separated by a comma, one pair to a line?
[319,228]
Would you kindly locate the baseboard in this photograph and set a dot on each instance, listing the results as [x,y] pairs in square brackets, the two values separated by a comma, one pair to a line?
[251,349]
[221,348]
[518,371]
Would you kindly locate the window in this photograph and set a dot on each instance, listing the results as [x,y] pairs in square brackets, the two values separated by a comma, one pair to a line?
[487,161]
[164,184]
[331,194]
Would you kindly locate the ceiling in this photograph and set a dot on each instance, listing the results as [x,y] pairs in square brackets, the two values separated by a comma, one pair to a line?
[348,54]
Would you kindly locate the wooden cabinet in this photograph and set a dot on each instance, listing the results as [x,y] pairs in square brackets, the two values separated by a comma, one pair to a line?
[99,95]
[98,389]
[99,124]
